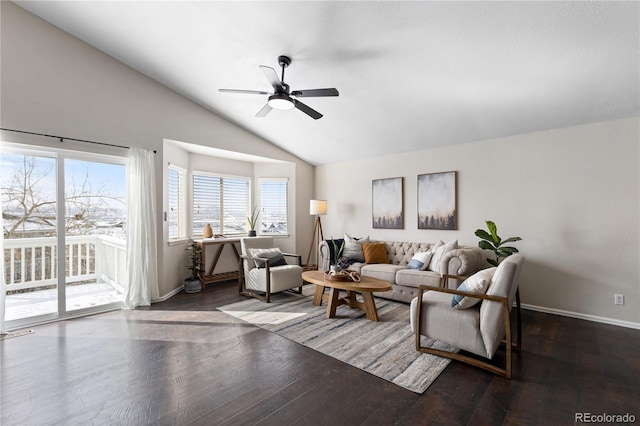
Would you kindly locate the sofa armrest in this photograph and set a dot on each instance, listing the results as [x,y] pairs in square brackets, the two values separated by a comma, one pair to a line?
[463,261]
[323,256]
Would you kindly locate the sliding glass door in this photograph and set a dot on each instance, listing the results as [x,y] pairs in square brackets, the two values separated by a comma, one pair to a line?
[95,242]
[64,234]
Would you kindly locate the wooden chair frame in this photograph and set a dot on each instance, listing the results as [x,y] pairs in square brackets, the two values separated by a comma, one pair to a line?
[267,296]
[506,310]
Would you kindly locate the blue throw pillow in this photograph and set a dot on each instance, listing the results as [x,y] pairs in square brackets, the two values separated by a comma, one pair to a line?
[420,260]
[477,283]
[338,242]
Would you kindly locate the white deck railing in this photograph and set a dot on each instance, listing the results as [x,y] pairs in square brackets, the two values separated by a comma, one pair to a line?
[32,262]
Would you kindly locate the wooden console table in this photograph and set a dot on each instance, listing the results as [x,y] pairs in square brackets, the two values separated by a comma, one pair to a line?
[209,275]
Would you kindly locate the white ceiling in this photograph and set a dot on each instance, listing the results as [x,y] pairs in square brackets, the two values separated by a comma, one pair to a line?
[411,75]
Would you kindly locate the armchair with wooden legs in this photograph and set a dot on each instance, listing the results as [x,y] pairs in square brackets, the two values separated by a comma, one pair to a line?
[479,329]
[264,270]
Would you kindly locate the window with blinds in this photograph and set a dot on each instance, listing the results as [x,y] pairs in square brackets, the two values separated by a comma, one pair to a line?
[273,206]
[176,201]
[222,202]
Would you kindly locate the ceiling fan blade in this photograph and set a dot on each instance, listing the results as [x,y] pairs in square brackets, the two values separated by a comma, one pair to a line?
[266,109]
[307,110]
[272,77]
[247,92]
[315,93]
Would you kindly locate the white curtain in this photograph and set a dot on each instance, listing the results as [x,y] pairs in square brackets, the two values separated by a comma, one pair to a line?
[142,259]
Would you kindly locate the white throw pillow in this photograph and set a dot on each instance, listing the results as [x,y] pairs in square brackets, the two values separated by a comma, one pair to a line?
[353,247]
[420,260]
[439,251]
[477,283]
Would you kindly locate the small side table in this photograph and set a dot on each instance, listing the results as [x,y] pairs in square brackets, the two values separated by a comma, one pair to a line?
[209,275]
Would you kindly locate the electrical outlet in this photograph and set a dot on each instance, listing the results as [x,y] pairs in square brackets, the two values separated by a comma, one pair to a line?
[618,299]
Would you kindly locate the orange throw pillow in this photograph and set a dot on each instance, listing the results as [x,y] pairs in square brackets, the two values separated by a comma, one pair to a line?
[375,253]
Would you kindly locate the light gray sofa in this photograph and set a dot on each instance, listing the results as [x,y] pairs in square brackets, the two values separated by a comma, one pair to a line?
[405,282]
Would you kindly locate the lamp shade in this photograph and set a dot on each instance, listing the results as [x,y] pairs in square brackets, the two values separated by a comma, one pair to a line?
[317,207]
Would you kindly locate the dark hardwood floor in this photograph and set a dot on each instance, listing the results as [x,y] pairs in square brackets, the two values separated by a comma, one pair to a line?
[182,362]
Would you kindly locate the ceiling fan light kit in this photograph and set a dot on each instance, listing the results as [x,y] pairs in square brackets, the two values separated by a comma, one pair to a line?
[282,98]
[280,101]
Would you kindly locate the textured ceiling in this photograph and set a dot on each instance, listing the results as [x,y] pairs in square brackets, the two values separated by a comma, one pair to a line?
[411,75]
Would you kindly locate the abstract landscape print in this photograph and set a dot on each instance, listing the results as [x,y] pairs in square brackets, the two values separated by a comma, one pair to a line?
[387,203]
[437,201]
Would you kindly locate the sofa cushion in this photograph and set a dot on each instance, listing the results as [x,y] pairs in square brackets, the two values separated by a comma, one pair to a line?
[415,278]
[477,283]
[420,261]
[353,247]
[382,271]
[375,253]
[439,252]
[275,256]
[356,266]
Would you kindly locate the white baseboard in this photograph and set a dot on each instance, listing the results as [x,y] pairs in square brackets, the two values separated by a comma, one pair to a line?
[168,295]
[594,318]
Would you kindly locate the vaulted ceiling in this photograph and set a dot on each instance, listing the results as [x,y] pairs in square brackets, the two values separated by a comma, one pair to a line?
[411,75]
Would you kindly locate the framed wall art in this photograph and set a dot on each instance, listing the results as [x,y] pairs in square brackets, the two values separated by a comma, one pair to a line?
[388,203]
[437,201]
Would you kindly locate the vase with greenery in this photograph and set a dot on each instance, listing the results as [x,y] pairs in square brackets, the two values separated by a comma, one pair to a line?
[253,220]
[337,251]
[491,241]
[193,284]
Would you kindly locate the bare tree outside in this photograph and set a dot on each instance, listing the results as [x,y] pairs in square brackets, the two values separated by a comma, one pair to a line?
[29,202]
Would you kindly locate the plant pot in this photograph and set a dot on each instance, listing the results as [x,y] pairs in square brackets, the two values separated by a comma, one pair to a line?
[192,285]
[252,233]
[334,269]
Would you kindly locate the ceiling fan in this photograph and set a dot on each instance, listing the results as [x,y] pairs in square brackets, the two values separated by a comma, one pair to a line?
[282,97]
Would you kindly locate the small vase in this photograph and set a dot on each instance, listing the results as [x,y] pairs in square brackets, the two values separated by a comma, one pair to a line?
[252,233]
[334,270]
[207,232]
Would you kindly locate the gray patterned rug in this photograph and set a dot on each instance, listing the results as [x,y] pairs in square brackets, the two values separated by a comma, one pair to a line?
[385,348]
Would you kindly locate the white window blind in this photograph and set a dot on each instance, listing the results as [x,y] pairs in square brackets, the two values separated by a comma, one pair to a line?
[176,200]
[273,206]
[222,202]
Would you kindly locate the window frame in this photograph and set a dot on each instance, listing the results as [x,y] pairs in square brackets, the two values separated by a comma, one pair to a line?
[181,219]
[196,233]
[285,198]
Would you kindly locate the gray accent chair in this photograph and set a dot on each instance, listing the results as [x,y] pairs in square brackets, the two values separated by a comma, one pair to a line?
[261,283]
[479,329]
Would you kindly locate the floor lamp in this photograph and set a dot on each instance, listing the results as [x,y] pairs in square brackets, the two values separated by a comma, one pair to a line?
[317,208]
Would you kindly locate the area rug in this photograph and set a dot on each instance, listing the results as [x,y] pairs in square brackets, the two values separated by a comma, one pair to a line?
[385,348]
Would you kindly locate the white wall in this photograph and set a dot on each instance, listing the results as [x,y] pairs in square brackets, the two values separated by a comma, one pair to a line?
[54,83]
[571,194]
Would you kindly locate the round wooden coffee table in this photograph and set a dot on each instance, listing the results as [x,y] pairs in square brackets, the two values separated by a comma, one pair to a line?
[366,287]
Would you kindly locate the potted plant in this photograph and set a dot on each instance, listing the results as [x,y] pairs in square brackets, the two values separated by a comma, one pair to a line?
[253,220]
[334,267]
[491,241]
[193,284]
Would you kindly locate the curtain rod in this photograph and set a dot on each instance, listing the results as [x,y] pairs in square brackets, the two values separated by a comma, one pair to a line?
[62,138]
